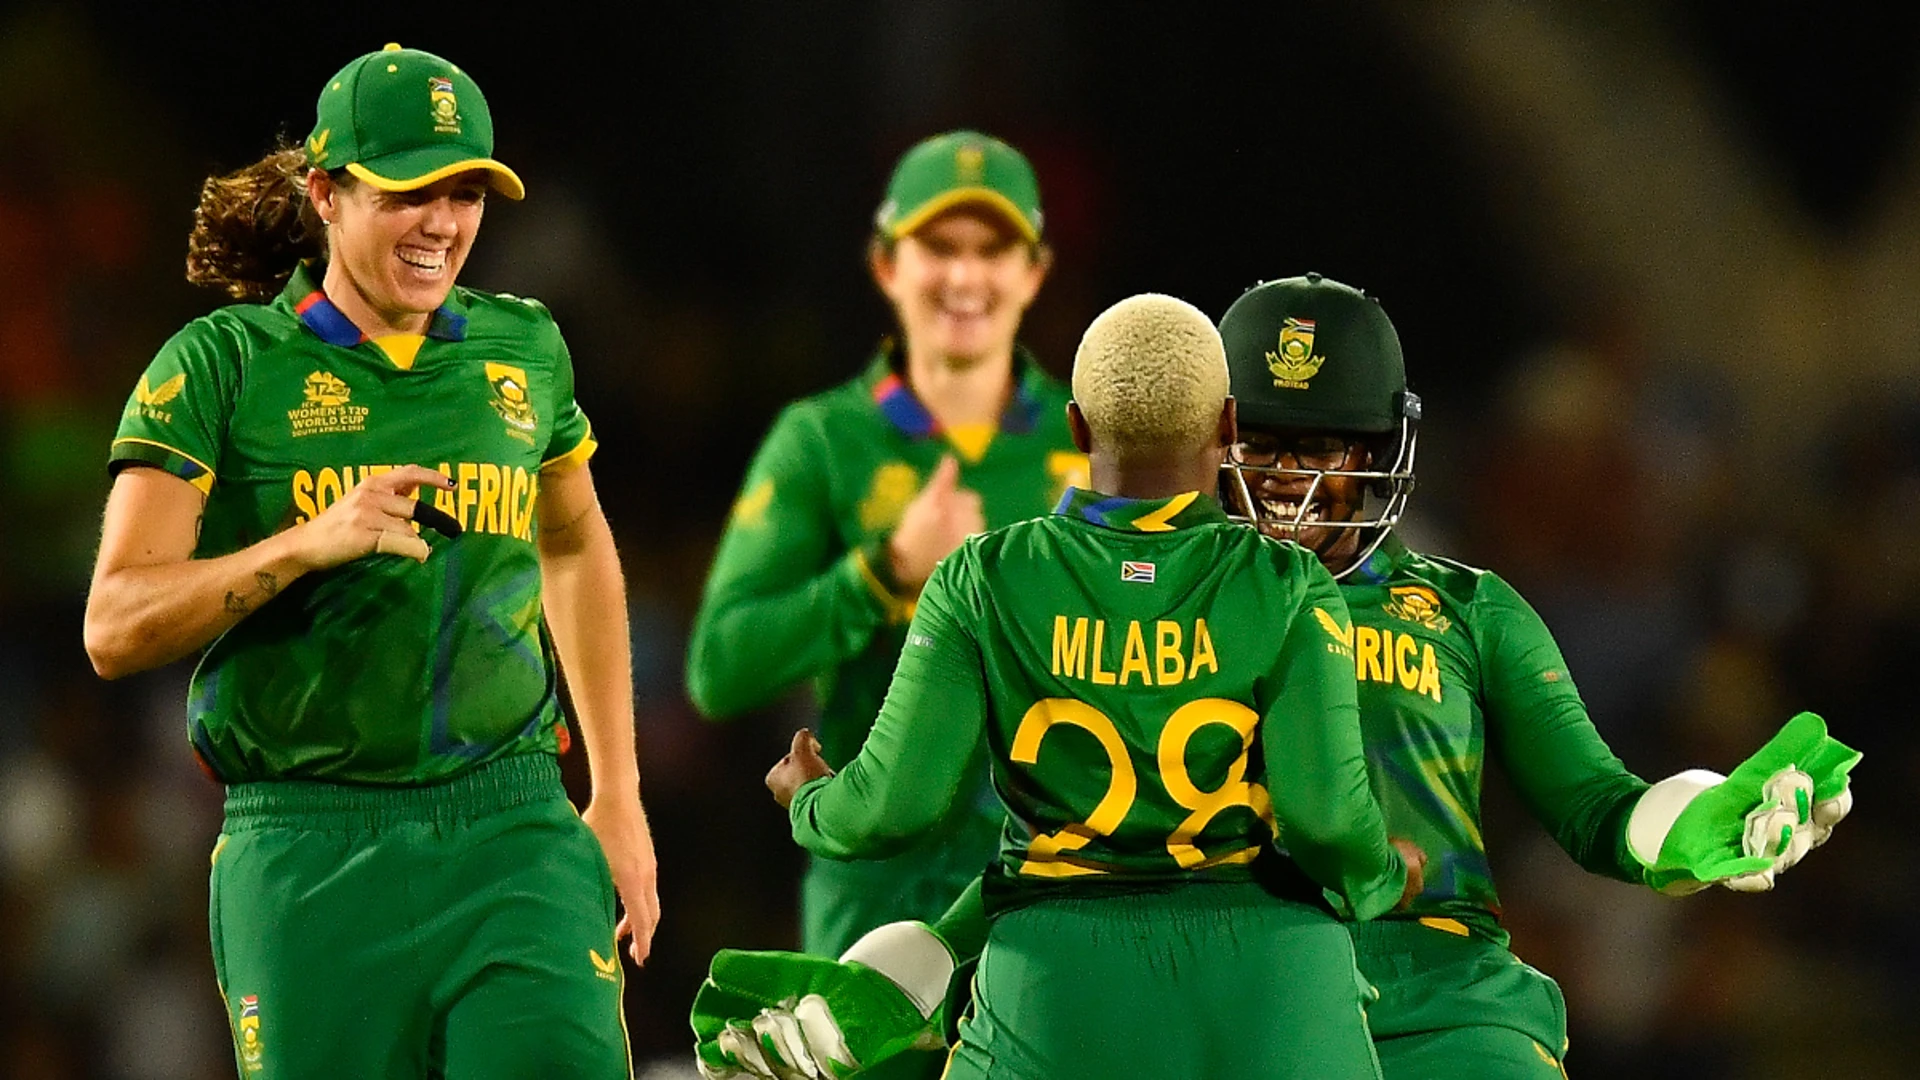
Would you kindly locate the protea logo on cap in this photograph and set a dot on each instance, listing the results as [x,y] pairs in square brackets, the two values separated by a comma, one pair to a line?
[970,164]
[446,108]
[1295,363]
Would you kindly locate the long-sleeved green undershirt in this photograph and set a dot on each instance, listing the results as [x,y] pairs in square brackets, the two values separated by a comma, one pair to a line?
[798,592]
[1156,688]
[1453,664]
[1449,657]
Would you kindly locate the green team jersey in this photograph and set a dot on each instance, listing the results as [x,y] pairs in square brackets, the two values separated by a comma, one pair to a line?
[1159,691]
[799,590]
[1452,663]
[381,670]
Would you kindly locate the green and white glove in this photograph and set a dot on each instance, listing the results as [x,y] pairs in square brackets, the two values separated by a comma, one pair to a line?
[1699,828]
[789,1016]
[1831,765]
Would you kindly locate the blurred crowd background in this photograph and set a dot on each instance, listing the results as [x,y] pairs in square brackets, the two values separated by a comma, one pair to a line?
[1654,266]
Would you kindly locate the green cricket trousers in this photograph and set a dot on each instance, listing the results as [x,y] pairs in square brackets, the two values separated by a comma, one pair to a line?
[460,931]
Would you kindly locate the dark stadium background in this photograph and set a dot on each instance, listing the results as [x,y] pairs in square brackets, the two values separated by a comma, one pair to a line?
[1653,265]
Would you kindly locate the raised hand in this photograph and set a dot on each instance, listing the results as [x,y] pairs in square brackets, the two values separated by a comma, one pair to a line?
[1699,828]
[802,765]
[941,516]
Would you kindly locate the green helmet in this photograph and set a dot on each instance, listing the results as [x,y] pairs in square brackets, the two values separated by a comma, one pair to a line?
[1310,354]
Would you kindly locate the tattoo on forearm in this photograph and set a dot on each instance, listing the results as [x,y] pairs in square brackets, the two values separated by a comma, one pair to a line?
[240,605]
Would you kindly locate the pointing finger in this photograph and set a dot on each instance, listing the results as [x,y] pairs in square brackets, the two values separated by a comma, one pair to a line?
[406,479]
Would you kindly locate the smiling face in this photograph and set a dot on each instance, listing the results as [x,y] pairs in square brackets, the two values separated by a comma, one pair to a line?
[960,284]
[392,256]
[1281,479]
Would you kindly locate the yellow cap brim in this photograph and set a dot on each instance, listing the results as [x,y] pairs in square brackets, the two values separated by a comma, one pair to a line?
[966,196]
[502,179]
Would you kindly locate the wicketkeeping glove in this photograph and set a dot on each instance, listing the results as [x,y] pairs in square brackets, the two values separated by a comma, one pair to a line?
[789,1016]
[1699,828]
[1831,767]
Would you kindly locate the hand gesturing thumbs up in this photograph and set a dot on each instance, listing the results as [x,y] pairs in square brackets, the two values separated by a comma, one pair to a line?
[934,523]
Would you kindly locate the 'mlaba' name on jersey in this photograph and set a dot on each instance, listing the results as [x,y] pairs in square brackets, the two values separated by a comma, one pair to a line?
[1177,655]
[486,498]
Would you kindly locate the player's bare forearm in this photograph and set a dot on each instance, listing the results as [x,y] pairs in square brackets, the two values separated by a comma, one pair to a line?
[584,594]
[141,617]
[585,598]
[151,602]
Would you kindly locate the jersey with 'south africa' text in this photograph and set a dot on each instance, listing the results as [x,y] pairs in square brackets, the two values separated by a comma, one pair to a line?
[381,670]
[1452,664]
[1158,690]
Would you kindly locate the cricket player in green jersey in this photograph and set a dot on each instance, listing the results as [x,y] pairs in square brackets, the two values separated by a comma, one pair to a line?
[1451,665]
[857,492]
[402,888]
[1159,693]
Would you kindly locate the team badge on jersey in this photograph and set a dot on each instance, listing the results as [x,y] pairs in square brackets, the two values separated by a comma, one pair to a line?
[148,401]
[446,108]
[1137,571]
[511,398]
[247,1030]
[1295,362]
[326,407]
[1417,604]
[894,486]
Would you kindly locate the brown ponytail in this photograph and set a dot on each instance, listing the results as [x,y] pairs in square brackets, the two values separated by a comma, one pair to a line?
[253,227]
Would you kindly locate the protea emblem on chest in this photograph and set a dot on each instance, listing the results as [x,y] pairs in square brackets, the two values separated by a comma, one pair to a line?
[511,397]
[1417,604]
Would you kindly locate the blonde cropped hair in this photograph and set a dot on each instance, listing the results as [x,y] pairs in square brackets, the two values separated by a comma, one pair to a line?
[1151,377]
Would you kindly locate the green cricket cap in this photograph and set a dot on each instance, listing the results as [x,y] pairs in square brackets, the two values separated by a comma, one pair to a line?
[960,168]
[401,119]
[1311,352]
